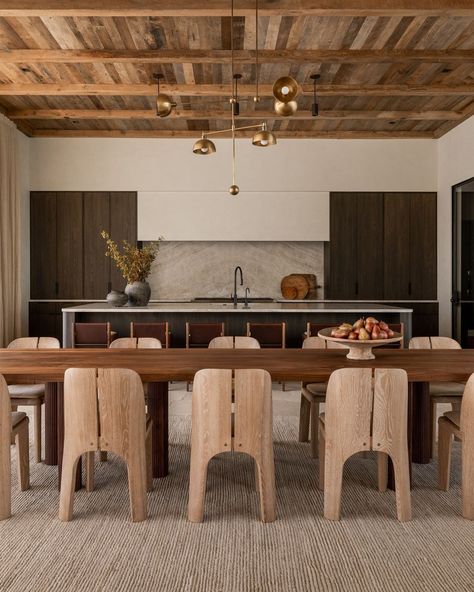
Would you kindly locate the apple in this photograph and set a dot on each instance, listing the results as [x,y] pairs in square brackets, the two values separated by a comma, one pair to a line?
[376,332]
[353,336]
[364,335]
[383,326]
[358,324]
[372,320]
[383,335]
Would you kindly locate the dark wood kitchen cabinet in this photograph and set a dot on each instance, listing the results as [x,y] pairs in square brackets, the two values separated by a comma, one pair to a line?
[382,248]
[353,259]
[67,252]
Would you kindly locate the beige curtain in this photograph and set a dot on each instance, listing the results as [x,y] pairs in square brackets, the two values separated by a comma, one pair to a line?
[10,295]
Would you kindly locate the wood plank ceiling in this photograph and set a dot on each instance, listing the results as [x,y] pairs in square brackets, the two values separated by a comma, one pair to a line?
[389,68]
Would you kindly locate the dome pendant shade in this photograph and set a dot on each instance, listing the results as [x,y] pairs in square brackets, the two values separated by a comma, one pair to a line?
[164,105]
[264,138]
[286,109]
[204,146]
[285,89]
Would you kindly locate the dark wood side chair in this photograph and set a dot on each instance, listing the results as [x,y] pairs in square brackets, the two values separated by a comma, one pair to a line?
[201,335]
[92,335]
[157,330]
[269,335]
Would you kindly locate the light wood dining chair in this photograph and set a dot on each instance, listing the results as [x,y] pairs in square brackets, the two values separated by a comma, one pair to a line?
[13,429]
[31,395]
[313,396]
[440,392]
[214,431]
[459,425]
[104,409]
[365,412]
[237,342]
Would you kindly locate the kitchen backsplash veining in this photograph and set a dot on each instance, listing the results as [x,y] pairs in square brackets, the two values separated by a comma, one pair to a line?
[193,269]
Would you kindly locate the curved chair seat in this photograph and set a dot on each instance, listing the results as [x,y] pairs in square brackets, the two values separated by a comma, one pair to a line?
[446,389]
[26,391]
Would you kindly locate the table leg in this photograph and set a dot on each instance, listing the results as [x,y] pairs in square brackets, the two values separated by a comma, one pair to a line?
[60,439]
[419,427]
[51,423]
[158,410]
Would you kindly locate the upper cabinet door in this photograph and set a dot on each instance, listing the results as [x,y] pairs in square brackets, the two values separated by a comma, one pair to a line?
[96,265]
[423,249]
[342,259]
[370,238]
[123,226]
[397,207]
[69,223]
[43,246]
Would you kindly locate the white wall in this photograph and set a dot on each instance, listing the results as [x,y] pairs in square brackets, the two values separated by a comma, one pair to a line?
[455,164]
[125,164]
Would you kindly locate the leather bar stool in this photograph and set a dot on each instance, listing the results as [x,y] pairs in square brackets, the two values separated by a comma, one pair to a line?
[201,334]
[269,335]
[92,335]
[157,330]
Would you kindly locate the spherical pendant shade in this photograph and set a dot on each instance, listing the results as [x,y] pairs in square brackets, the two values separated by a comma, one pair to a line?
[204,146]
[164,105]
[286,109]
[285,89]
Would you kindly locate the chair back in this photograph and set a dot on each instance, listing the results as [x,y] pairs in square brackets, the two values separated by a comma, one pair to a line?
[433,343]
[91,334]
[159,331]
[135,343]
[364,413]
[467,431]
[201,334]
[237,342]
[272,335]
[34,343]
[5,461]
[319,343]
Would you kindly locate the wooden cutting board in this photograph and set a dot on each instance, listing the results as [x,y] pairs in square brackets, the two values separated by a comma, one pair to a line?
[295,286]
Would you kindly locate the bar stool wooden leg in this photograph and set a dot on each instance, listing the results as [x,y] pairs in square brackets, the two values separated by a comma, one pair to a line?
[445,443]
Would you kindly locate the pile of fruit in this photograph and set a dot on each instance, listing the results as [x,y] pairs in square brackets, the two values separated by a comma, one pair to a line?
[363,330]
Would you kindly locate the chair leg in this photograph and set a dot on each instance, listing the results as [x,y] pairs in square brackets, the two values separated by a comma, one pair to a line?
[266,489]
[137,487]
[5,481]
[322,455]
[445,443]
[197,488]
[382,471]
[149,458]
[68,482]
[37,431]
[467,484]
[434,423]
[332,486]
[90,457]
[314,424]
[305,413]
[401,471]
[23,454]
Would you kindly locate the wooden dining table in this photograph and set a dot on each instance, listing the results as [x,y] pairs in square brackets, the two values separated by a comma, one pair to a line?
[158,367]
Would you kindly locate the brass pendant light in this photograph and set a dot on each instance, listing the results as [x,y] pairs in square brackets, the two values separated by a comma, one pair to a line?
[285,91]
[164,103]
[264,138]
[204,146]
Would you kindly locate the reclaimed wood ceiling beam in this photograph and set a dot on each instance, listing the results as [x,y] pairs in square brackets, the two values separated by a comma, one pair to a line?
[213,56]
[54,133]
[217,8]
[138,114]
[223,90]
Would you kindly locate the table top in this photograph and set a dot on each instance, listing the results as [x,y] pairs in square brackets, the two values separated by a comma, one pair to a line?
[259,307]
[283,364]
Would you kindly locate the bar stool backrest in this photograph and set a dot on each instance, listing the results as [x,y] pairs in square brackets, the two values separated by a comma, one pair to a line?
[272,335]
[157,330]
[91,335]
[201,334]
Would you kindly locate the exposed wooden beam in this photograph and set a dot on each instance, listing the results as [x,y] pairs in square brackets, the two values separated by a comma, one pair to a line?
[44,133]
[131,114]
[449,125]
[217,56]
[223,90]
[217,8]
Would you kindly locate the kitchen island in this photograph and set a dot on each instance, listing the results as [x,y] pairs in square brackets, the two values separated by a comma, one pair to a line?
[295,314]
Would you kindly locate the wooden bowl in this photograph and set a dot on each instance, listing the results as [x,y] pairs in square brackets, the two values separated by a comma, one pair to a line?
[359,350]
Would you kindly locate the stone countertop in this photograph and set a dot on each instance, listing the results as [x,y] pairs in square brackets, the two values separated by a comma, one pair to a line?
[262,307]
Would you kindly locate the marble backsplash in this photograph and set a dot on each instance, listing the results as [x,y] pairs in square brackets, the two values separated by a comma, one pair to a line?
[192,269]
